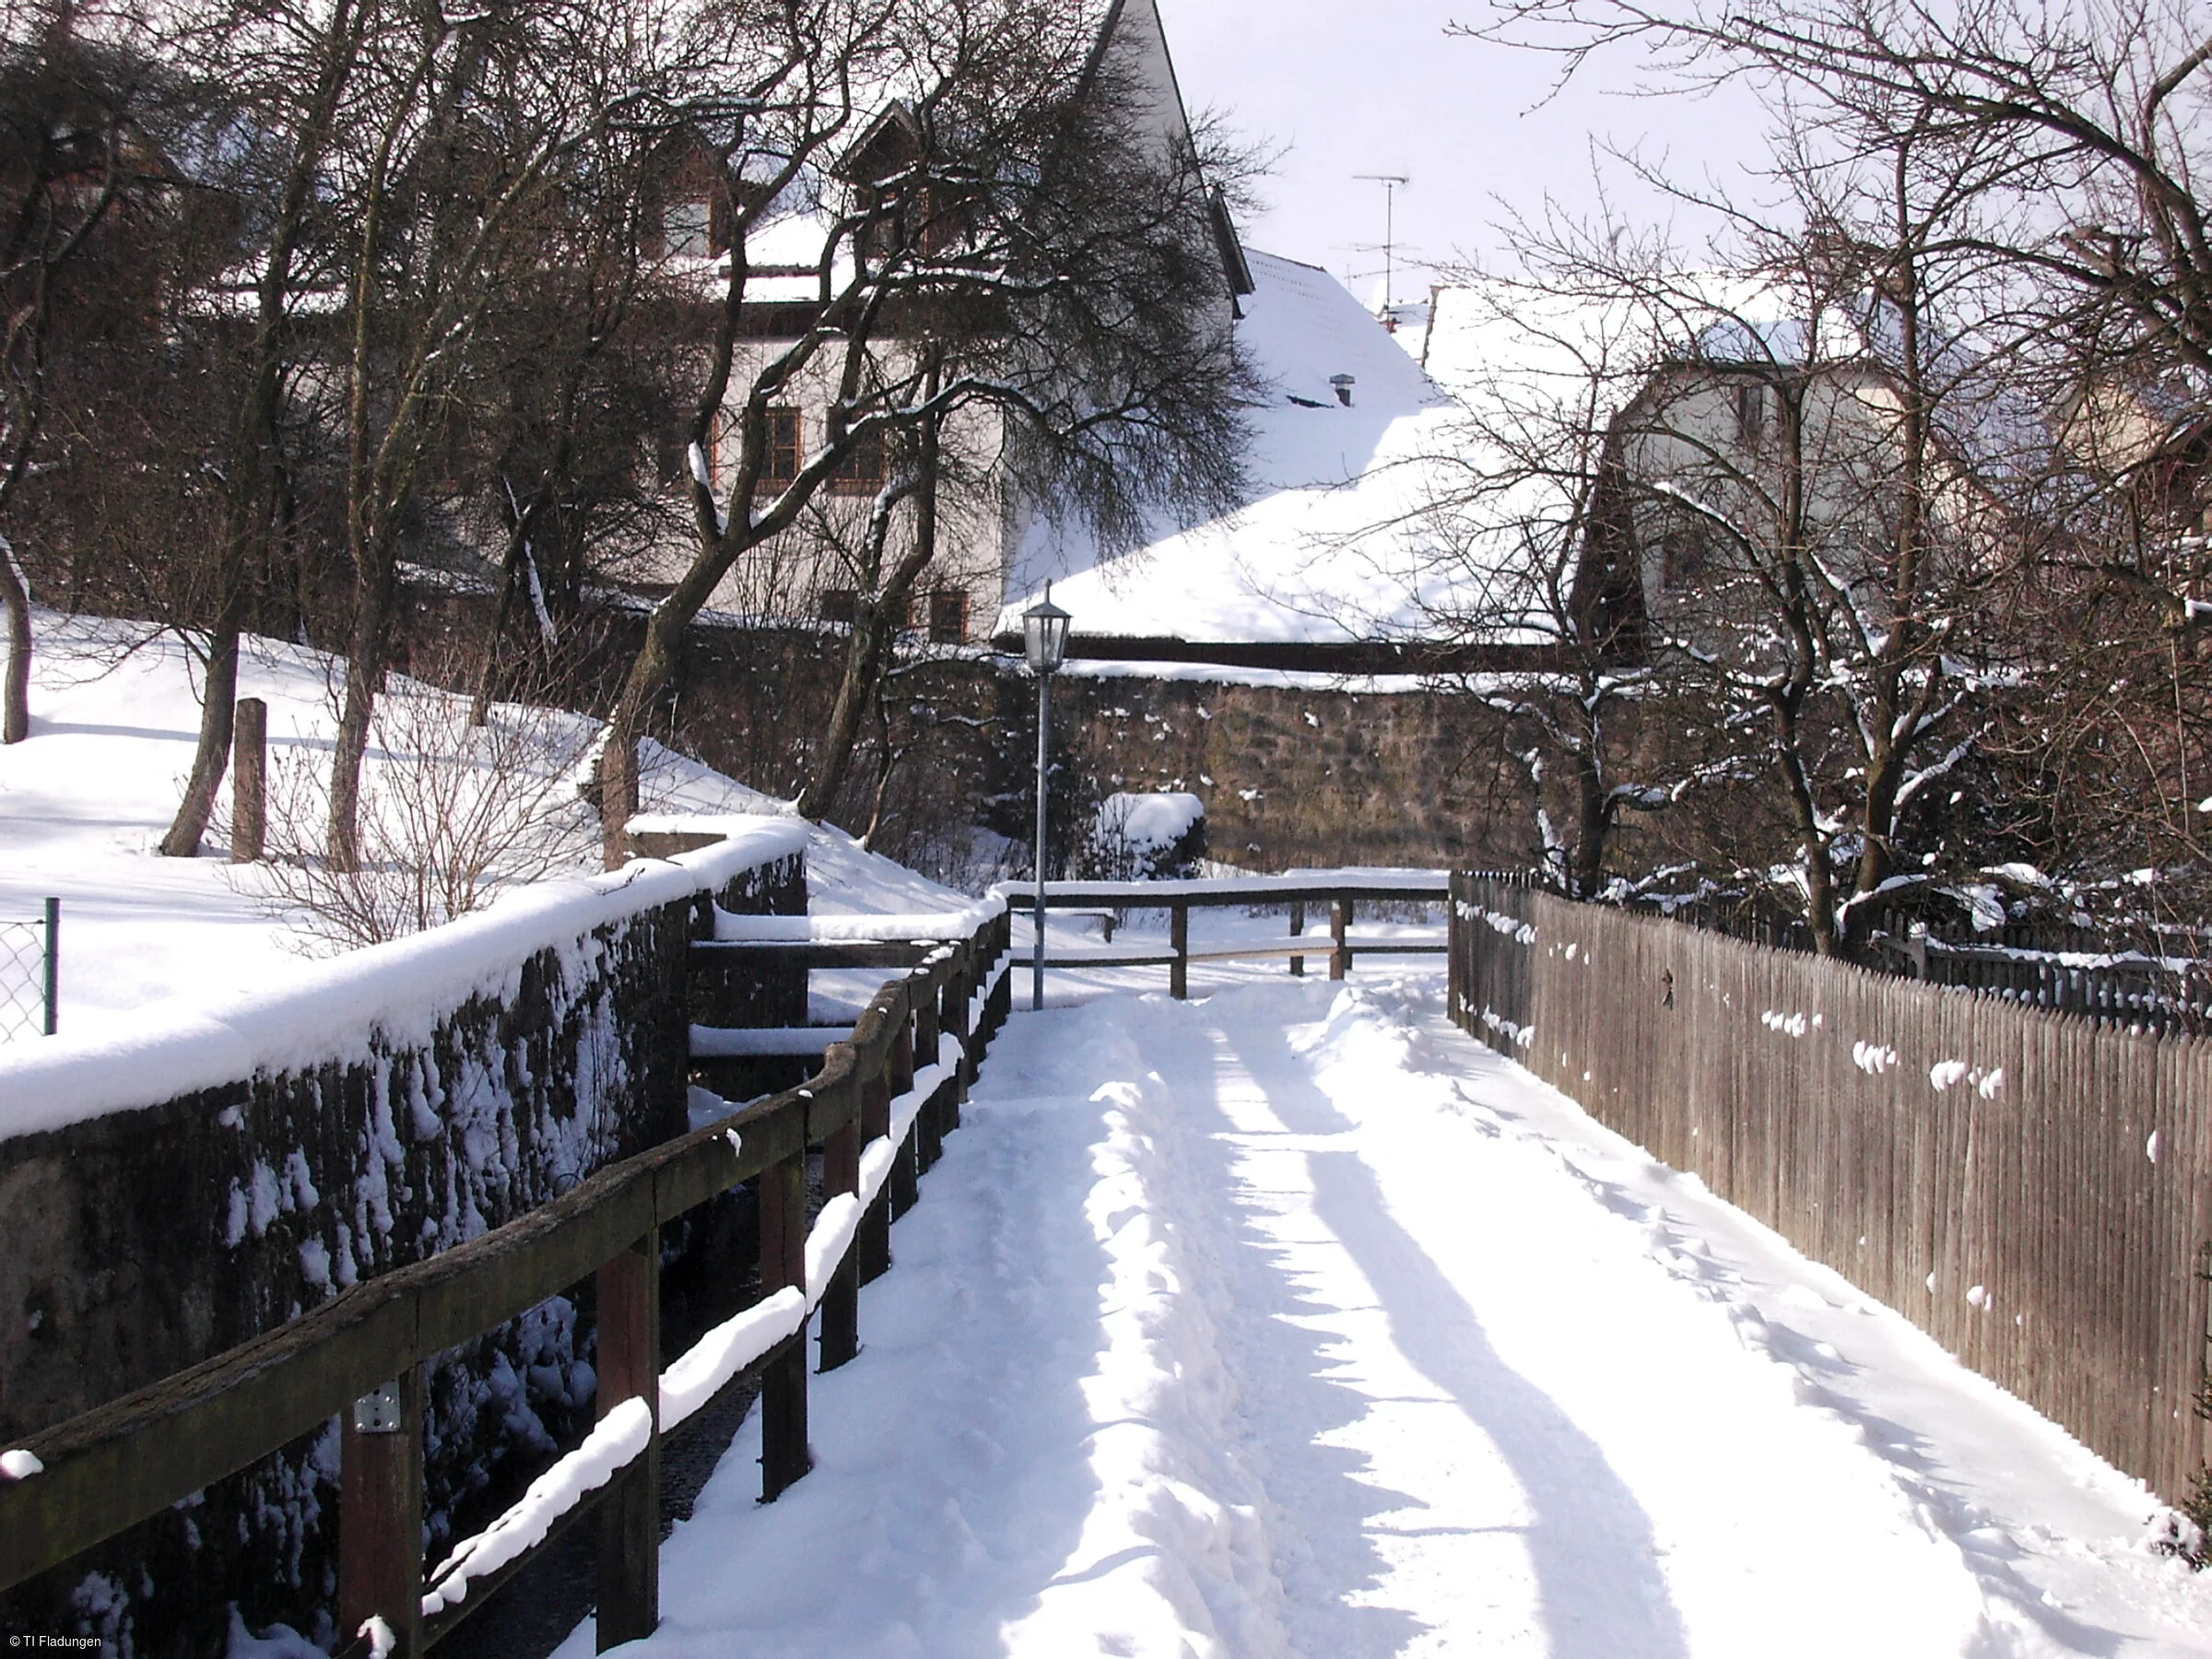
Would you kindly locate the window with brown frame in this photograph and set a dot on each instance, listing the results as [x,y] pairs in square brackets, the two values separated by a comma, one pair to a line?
[949,617]
[782,464]
[860,471]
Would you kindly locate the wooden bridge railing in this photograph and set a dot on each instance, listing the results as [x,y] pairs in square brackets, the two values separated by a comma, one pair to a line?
[1338,890]
[878,1108]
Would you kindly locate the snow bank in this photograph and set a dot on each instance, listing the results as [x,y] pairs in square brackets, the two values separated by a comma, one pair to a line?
[331,1010]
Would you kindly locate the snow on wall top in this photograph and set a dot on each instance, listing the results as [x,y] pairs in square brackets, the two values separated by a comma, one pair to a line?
[331,1009]
[1323,551]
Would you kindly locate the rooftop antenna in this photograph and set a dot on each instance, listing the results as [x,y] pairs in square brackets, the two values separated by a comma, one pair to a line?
[1390,183]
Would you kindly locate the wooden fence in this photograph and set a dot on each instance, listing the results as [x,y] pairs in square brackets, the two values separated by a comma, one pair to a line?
[2032,1188]
[1338,894]
[878,1110]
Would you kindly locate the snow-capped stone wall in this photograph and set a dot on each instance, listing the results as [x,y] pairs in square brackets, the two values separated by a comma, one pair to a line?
[135,1240]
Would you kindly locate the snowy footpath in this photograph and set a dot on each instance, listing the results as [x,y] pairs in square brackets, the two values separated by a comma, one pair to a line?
[1291,1321]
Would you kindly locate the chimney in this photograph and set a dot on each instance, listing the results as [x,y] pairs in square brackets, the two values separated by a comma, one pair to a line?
[1344,383]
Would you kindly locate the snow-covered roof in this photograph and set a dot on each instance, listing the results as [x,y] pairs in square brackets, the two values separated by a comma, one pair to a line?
[1323,551]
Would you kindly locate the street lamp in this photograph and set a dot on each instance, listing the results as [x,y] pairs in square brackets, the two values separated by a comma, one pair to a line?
[1044,642]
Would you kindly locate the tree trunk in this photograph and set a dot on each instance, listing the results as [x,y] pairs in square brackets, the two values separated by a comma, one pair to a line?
[855,693]
[871,638]
[649,673]
[364,676]
[14,703]
[479,705]
[211,759]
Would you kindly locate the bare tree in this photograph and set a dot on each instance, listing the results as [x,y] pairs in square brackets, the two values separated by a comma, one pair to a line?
[1797,506]
[289,76]
[458,133]
[1004,228]
[79,112]
[1527,551]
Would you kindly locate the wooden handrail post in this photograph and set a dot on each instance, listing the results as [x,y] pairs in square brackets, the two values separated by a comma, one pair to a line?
[630,1517]
[959,994]
[1340,916]
[1179,938]
[873,1247]
[1298,926]
[380,1514]
[783,1454]
[904,1186]
[929,1130]
[840,1300]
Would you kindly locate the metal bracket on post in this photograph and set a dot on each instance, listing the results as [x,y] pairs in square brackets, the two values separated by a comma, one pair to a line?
[378,1411]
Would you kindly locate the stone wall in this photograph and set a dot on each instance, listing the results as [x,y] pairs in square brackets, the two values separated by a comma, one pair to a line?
[1290,777]
[136,1243]
[1296,779]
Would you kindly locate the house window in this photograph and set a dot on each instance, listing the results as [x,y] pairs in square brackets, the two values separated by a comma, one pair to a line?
[781,463]
[1681,560]
[860,470]
[841,605]
[1750,412]
[949,617]
[687,229]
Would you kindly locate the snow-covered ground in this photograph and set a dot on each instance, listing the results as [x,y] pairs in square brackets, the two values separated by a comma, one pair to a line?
[85,801]
[1283,1321]
[1291,1321]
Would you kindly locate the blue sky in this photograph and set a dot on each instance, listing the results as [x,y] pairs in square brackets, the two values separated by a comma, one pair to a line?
[1375,87]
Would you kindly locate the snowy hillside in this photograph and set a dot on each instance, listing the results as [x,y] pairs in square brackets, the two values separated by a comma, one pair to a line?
[85,801]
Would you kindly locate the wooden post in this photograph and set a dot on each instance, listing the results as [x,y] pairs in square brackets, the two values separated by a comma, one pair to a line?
[249,780]
[1340,916]
[380,1514]
[1179,936]
[840,1300]
[929,1127]
[959,993]
[904,1186]
[1455,989]
[874,1244]
[784,1456]
[629,1516]
[1298,926]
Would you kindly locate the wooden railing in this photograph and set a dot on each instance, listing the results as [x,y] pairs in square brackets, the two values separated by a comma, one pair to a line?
[878,1108]
[1339,891]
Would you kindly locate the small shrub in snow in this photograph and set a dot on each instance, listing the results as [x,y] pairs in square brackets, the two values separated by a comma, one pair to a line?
[1145,837]
[450,814]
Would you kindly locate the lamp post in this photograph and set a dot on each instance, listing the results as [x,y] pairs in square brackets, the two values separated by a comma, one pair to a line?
[1044,642]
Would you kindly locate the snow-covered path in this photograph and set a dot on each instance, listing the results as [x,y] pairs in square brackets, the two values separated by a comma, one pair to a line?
[1291,1321]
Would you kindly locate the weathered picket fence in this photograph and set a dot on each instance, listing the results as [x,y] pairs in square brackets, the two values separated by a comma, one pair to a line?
[876,1111]
[2032,1188]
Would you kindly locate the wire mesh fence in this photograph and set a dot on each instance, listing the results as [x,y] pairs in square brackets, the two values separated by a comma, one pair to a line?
[30,959]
